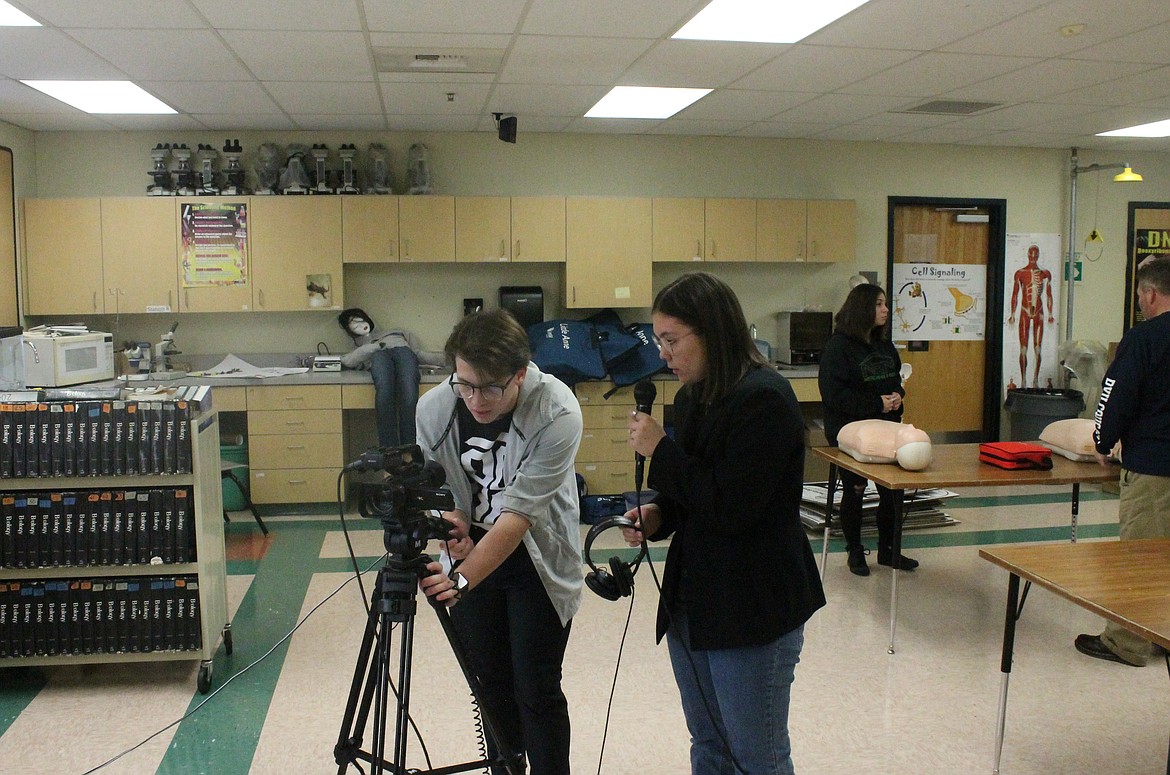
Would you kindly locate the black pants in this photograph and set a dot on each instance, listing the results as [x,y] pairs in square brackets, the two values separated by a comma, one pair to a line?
[852,487]
[516,645]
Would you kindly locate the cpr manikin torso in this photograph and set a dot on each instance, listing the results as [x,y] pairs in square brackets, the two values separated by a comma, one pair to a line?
[883,441]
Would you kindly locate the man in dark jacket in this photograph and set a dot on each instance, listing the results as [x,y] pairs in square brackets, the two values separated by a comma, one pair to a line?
[1134,408]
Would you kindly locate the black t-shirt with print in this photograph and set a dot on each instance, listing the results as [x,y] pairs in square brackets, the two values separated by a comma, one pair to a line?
[482,450]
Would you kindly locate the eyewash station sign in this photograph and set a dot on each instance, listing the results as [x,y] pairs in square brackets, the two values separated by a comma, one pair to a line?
[931,302]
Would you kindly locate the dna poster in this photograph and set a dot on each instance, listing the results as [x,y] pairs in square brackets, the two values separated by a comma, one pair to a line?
[931,302]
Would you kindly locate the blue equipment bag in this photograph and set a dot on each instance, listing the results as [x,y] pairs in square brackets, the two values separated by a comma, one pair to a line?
[567,349]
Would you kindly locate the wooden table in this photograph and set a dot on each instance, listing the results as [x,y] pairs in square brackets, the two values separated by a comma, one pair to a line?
[1127,582]
[954,465]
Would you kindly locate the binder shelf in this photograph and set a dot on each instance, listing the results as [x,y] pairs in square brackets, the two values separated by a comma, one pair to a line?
[125,564]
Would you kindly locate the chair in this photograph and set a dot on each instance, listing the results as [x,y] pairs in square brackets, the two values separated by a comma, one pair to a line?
[227,470]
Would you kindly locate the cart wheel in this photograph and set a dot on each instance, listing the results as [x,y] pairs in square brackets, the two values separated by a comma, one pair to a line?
[204,682]
[227,640]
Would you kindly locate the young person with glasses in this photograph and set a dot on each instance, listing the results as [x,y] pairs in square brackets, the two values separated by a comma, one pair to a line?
[740,580]
[507,434]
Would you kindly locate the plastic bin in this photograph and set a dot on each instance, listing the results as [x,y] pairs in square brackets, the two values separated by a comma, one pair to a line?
[233,499]
[1032,409]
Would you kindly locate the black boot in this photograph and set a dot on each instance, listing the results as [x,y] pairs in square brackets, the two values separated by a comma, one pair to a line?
[857,564]
[886,557]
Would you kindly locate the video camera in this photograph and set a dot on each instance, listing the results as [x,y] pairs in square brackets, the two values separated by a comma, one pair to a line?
[411,488]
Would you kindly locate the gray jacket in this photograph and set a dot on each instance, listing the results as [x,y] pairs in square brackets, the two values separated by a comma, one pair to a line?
[542,445]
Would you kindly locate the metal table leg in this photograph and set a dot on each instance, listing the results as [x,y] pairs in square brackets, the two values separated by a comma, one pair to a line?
[1076,509]
[831,487]
[899,515]
[1005,663]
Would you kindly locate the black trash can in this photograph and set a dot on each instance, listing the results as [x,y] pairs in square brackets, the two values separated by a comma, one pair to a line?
[1032,409]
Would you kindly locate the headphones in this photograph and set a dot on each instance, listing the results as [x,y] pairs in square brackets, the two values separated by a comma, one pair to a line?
[618,581]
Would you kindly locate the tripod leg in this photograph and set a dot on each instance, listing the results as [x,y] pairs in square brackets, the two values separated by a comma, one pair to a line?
[353,723]
[512,761]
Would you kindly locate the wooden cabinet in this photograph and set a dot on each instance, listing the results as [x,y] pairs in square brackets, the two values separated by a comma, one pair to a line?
[295,448]
[806,230]
[538,228]
[139,253]
[63,239]
[369,229]
[704,229]
[117,581]
[483,229]
[8,286]
[604,458]
[296,253]
[608,252]
[426,228]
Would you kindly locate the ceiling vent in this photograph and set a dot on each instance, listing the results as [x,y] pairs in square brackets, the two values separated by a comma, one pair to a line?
[445,60]
[950,107]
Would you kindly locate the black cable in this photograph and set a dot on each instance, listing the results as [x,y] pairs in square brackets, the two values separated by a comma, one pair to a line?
[616,668]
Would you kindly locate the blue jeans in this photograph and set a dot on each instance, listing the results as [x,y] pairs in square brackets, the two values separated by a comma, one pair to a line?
[516,645]
[395,375]
[737,695]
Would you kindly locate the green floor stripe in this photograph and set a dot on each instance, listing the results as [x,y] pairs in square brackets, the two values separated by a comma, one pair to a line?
[20,686]
[235,718]
[1057,496]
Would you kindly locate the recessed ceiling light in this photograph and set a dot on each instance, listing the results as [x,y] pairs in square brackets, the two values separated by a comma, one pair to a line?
[1156,129]
[10,17]
[102,96]
[644,102]
[763,21]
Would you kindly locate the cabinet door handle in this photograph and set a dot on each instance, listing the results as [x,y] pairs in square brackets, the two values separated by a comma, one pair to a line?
[406,250]
[297,481]
[294,446]
[169,299]
[712,254]
[294,422]
[698,250]
[516,252]
[261,297]
[813,252]
[95,306]
[294,398]
[503,250]
[800,248]
[186,300]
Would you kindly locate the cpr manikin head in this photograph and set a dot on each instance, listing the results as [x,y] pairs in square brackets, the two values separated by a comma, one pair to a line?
[914,452]
[356,322]
[883,441]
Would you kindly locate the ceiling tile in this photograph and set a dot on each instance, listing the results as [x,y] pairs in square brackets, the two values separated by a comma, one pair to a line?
[165,54]
[784,129]
[317,97]
[1050,77]
[743,105]
[176,122]
[224,97]
[438,40]
[126,14]
[931,74]
[707,64]
[1148,45]
[18,98]
[458,16]
[431,99]
[821,68]
[545,100]
[539,59]
[838,108]
[272,122]
[57,122]
[304,56]
[1147,86]
[701,127]
[917,26]
[340,121]
[429,123]
[43,53]
[609,18]
[281,15]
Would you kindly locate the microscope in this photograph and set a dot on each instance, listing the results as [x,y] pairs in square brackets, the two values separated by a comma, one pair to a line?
[347,154]
[320,156]
[186,179]
[161,365]
[379,178]
[232,151]
[160,174]
[207,158]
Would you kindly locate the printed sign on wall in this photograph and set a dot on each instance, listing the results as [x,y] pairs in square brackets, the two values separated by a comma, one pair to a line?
[1032,311]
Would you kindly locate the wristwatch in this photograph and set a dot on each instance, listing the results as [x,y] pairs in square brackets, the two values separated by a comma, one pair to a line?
[460,582]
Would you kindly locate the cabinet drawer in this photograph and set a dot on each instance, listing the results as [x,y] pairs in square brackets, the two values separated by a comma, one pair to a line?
[306,450]
[593,393]
[610,416]
[308,421]
[604,444]
[229,399]
[610,478]
[307,485]
[362,396]
[294,397]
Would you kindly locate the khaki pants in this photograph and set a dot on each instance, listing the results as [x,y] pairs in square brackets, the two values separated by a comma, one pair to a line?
[1144,512]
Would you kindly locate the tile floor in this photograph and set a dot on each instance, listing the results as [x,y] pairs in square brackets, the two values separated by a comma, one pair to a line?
[928,709]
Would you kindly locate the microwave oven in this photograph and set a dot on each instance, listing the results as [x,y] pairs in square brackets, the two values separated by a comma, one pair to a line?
[56,361]
[802,336]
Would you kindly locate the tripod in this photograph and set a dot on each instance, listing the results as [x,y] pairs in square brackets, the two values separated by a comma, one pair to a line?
[393,600]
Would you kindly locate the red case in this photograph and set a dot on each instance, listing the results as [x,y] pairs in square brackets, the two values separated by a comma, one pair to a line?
[1016,454]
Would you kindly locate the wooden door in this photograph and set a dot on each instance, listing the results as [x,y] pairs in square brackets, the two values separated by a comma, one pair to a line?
[139,254]
[678,229]
[780,229]
[538,228]
[296,253]
[426,228]
[730,229]
[483,229]
[945,394]
[8,311]
[608,252]
[63,239]
[832,230]
[369,229]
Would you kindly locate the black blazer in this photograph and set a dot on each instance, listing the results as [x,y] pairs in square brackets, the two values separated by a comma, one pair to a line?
[739,565]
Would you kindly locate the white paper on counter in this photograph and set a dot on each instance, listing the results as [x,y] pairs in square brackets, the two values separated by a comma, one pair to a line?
[234,367]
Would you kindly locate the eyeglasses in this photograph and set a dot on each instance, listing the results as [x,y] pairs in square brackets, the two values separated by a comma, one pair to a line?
[668,345]
[488,393]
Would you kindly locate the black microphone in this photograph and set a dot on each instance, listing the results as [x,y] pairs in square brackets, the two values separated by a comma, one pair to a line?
[644,395]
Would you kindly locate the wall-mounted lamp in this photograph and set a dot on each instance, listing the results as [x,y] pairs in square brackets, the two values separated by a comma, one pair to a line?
[1127,175]
[505,127]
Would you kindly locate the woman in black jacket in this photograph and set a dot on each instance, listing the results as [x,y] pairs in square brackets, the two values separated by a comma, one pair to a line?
[740,580]
[860,380]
